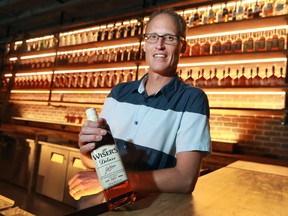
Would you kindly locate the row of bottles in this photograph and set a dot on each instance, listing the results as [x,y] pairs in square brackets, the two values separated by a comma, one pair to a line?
[121,54]
[233,10]
[35,44]
[100,79]
[100,56]
[230,11]
[238,43]
[102,33]
[239,77]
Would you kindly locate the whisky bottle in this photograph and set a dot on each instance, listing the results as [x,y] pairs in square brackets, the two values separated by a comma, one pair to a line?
[257,79]
[189,80]
[272,80]
[236,79]
[243,78]
[250,79]
[281,78]
[265,79]
[228,78]
[196,18]
[110,170]
[215,80]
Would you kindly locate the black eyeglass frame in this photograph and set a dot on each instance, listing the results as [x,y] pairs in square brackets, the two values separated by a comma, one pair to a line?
[179,38]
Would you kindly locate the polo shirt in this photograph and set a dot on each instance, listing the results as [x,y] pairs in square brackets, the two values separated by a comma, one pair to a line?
[150,130]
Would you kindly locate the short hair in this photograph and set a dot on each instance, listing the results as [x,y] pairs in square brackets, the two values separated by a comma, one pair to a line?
[181,24]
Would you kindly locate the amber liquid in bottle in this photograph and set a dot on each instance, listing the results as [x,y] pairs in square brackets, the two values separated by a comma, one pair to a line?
[110,170]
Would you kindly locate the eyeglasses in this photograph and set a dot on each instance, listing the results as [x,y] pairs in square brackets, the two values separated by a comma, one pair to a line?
[167,38]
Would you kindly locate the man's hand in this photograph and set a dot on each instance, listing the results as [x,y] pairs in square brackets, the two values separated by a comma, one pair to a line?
[90,133]
[84,183]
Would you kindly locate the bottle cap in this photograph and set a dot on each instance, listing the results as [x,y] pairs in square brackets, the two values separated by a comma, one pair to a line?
[91,114]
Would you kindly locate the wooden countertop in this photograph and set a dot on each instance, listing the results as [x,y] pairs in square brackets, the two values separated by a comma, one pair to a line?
[240,189]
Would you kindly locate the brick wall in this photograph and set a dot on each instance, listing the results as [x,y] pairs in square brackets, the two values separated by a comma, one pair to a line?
[255,134]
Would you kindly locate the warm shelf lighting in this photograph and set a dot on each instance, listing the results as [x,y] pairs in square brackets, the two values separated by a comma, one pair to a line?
[30,91]
[40,38]
[237,32]
[99,48]
[245,61]
[82,91]
[39,56]
[95,70]
[244,93]
[218,6]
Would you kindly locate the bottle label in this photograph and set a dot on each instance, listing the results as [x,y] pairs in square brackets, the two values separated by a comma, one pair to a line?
[109,166]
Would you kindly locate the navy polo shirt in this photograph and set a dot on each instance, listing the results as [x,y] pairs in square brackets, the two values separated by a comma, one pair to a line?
[150,130]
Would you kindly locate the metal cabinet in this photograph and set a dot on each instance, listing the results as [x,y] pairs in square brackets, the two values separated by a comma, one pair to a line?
[57,165]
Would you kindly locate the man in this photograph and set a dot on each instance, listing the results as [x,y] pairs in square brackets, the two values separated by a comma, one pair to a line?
[160,124]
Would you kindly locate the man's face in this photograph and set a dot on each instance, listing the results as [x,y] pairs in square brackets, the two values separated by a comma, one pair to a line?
[162,58]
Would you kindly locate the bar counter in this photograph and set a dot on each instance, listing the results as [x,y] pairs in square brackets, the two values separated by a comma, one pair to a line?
[241,188]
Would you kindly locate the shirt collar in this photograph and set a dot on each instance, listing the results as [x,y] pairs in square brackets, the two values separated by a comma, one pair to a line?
[168,90]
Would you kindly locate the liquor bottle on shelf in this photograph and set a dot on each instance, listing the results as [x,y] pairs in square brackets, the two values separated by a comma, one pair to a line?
[228,45]
[130,76]
[280,7]
[107,80]
[191,18]
[189,80]
[196,18]
[256,10]
[67,81]
[106,56]
[219,15]
[125,54]
[196,48]
[180,75]
[100,56]
[249,43]
[217,47]
[249,12]
[250,79]
[257,80]
[281,78]
[275,41]
[85,82]
[92,80]
[211,15]
[206,46]
[209,80]
[228,78]
[237,44]
[121,77]
[269,40]
[100,80]
[243,78]
[282,39]
[265,79]
[79,81]
[119,56]
[268,8]
[234,12]
[115,183]
[222,80]
[113,56]
[74,81]
[225,13]
[240,11]
[197,81]
[114,79]
[204,17]
[272,80]
[215,80]
[260,42]
[187,50]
